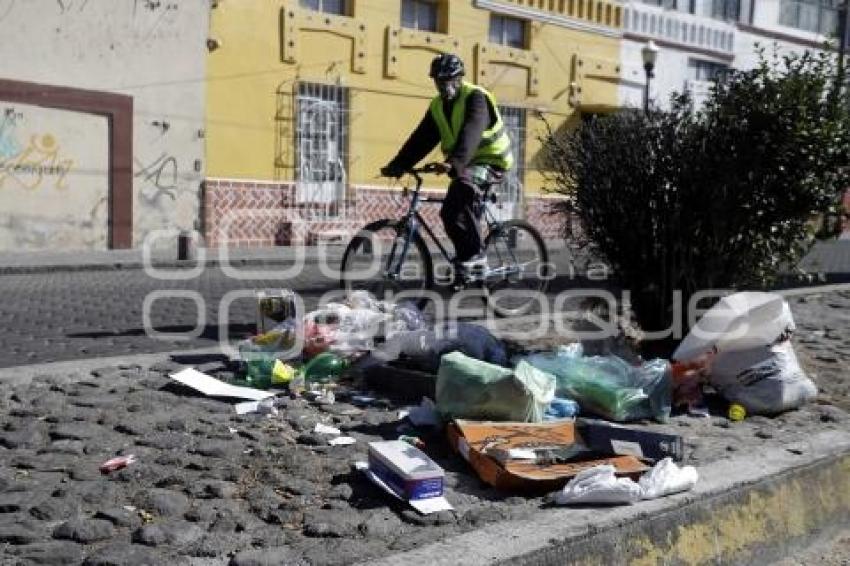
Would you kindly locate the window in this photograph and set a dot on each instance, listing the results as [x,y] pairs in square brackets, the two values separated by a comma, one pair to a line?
[419,14]
[329,6]
[819,16]
[726,9]
[701,70]
[670,4]
[510,190]
[321,147]
[507,31]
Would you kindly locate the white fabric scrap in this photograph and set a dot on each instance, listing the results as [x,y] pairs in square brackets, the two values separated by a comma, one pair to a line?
[264,407]
[342,441]
[666,478]
[325,429]
[598,484]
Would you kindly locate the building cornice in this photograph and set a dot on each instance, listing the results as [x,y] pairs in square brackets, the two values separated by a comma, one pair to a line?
[719,55]
[545,17]
[781,36]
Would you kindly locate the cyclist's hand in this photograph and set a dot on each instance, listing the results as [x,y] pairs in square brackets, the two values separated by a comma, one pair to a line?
[391,171]
[441,168]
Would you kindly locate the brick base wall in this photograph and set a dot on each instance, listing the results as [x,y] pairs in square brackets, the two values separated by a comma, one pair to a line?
[246,213]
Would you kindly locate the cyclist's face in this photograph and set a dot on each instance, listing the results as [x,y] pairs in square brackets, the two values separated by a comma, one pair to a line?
[448,88]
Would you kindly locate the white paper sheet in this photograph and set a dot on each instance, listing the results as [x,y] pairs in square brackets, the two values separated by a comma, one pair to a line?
[213,387]
[342,441]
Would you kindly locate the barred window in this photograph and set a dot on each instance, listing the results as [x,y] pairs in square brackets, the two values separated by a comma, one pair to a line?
[321,147]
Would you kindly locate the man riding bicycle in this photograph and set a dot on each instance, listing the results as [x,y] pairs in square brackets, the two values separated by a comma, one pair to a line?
[465,120]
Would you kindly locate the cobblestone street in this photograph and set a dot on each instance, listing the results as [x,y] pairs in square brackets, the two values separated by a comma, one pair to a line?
[211,487]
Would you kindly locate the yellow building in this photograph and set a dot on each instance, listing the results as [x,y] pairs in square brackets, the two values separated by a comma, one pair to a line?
[307,99]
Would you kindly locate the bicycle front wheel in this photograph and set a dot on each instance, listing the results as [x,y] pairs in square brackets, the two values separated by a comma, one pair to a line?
[518,268]
[371,263]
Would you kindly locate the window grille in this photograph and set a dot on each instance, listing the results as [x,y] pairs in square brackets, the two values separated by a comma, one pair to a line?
[321,149]
[511,189]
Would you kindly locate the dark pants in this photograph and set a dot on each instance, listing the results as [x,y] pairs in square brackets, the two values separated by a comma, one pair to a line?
[461,213]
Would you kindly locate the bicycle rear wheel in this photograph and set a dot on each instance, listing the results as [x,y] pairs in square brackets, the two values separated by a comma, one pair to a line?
[518,268]
[370,259]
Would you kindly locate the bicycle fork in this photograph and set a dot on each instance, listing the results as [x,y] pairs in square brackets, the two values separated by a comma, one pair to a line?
[394,272]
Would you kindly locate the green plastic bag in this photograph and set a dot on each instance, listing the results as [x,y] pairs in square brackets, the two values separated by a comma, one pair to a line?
[471,389]
[607,385]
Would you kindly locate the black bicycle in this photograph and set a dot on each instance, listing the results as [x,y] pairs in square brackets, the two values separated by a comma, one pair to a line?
[389,257]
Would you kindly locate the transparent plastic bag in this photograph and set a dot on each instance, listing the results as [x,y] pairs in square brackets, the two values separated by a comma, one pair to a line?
[607,385]
[472,389]
[340,328]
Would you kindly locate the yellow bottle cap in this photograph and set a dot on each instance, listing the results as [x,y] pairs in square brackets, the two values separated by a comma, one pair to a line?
[737,412]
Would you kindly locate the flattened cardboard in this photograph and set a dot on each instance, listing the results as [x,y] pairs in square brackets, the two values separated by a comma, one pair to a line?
[471,439]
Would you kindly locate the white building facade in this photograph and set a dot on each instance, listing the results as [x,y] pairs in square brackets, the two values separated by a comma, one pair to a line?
[699,40]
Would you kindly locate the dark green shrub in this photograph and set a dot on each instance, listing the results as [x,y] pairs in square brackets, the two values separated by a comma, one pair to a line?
[715,199]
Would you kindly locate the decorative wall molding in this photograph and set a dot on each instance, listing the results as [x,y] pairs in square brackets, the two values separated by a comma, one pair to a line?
[578,15]
[678,29]
[486,54]
[399,38]
[587,67]
[294,21]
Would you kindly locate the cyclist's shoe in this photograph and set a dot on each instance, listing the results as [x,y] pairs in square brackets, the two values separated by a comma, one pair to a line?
[470,269]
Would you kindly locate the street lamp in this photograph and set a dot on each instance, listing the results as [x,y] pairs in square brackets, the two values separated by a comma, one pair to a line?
[649,54]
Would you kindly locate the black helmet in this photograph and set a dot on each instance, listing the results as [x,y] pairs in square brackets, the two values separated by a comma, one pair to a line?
[446,66]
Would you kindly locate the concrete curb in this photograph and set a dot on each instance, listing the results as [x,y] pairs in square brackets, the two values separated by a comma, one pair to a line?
[161,265]
[751,509]
[264,257]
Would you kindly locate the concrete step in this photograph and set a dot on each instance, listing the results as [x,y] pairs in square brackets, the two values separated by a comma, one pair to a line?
[756,508]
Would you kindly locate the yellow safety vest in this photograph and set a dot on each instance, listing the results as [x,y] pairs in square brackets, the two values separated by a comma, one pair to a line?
[495,146]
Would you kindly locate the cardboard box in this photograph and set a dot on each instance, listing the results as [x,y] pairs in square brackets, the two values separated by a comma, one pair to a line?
[473,439]
[405,469]
[609,438]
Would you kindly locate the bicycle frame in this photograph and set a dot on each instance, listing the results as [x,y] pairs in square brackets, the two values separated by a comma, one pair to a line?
[412,220]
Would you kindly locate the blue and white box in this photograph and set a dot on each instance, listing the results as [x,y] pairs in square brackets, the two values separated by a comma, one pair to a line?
[405,469]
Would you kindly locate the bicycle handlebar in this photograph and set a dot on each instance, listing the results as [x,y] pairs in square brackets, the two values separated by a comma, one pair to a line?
[433,167]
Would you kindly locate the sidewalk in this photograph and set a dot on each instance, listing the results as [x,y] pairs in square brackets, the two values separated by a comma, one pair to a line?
[15,263]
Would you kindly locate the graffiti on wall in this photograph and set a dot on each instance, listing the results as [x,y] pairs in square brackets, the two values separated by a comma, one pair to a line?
[160,177]
[29,164]
[155,18]
[68,5]
[6,7]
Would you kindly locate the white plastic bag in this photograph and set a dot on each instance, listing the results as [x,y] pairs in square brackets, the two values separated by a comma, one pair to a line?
[765,380]
[738,322]
[598,484]
[666,478]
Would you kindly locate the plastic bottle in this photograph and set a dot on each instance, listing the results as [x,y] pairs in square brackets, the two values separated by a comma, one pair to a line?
[324,368]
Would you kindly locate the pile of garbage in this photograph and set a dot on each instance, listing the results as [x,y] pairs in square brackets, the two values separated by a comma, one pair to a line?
[546,421]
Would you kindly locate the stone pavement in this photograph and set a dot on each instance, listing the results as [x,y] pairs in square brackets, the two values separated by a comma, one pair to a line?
[214,488]
[76,314]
